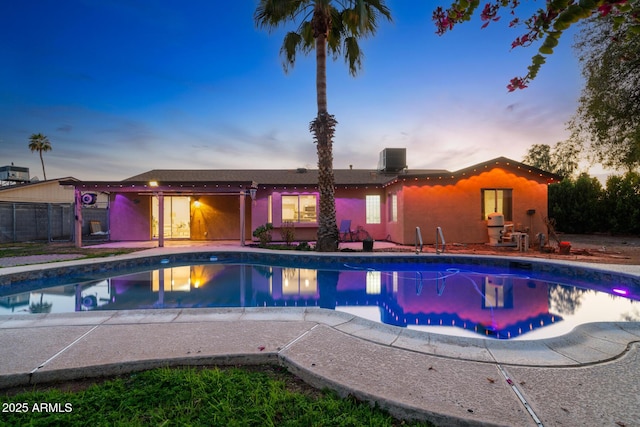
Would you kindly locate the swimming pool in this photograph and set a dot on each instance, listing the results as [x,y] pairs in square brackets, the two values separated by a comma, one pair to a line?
[457,295]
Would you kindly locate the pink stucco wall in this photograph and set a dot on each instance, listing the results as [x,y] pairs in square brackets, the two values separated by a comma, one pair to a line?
[453,204]
[130,217]
[218,217]
[456,207]
[350,205]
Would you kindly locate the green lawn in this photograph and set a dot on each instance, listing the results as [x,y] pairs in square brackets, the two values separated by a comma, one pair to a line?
[41,248]
[265,396]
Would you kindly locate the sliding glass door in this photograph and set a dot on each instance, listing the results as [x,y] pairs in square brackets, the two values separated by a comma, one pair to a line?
[177,217]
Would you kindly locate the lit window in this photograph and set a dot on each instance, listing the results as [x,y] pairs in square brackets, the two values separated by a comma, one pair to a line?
[299,208]
[497,200]
[393,207]
[373,209]
[299,281]
[172,279]
[374,283]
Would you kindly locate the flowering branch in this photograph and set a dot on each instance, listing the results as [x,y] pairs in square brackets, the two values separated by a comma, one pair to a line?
[546,25]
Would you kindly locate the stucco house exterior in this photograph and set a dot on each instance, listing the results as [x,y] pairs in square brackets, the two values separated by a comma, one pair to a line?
[389,203]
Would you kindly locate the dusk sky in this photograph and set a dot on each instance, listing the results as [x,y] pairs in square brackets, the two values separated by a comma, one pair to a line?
[124,86]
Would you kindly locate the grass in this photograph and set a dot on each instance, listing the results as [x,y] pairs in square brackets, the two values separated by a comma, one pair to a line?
[43,248]
[265,396]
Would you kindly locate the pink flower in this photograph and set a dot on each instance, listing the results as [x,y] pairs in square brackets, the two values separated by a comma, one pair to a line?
[516,83]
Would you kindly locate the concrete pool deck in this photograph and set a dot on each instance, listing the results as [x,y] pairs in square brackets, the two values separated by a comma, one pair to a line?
[590,376]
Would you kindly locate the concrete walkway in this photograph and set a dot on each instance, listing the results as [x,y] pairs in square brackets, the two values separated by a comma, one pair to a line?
[590,377]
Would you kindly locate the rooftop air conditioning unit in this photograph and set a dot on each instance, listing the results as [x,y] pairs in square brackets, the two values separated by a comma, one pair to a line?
[392,160]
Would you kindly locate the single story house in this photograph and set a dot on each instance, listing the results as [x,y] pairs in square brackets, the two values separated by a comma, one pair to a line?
[49,191]
[388,202]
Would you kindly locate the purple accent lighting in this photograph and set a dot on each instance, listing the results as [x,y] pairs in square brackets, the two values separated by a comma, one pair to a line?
[620,291]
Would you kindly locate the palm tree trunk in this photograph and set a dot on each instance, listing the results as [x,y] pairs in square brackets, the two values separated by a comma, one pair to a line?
[42,161]
[323,127]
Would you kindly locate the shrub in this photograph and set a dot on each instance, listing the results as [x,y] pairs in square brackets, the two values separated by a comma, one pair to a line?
[263,234]
[304,246]
[288,232]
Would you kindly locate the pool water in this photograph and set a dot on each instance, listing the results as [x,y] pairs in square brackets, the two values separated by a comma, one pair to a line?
[464,301]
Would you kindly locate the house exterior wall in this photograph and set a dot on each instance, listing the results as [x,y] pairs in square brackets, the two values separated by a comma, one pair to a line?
[457,207]
[218,217]
[130,217]
[350,205]
[46,192]
[453,203]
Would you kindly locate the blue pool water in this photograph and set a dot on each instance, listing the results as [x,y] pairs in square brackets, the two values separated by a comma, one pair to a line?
[513,302]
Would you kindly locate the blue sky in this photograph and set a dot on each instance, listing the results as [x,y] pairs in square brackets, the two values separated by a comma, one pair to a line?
[124,86]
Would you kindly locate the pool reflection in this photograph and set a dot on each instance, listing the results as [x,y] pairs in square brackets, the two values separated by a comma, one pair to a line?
[500,306]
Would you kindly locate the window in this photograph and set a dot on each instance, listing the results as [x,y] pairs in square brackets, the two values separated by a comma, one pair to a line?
[299,281]
[300,208]
[393,207]
[498,293]
[374,283]
[373,209]
[497,200]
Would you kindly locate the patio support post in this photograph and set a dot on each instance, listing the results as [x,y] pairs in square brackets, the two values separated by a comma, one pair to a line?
[78,218]
[242,217]
[160,220]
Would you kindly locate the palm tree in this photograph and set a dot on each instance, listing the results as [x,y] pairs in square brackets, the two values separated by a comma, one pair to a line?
[325,29]
[39,142]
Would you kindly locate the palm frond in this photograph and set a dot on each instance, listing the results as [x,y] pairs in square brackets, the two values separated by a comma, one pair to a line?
[336,34]
[290,47]
[362,19]
[353,55]
[349,20]
[308,41]
[271,14]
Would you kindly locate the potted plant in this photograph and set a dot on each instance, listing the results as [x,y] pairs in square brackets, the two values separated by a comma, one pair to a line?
[564,248]
[367,244]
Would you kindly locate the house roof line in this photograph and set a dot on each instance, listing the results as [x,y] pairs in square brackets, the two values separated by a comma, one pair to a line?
[235,180]
[501,162]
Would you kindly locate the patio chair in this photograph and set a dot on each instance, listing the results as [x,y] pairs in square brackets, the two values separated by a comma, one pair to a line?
[96,228]
[345,230]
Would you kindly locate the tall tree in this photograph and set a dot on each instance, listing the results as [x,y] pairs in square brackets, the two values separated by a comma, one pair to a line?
[607,120]
[323,26]
[547,24]
[40,143]
[562,159]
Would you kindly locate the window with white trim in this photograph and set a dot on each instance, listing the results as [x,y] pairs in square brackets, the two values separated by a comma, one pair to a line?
[497,200]
[300,208]
[372,209]
[393,207]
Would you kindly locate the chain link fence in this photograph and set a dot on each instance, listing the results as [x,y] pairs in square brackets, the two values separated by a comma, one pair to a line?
[51,222]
